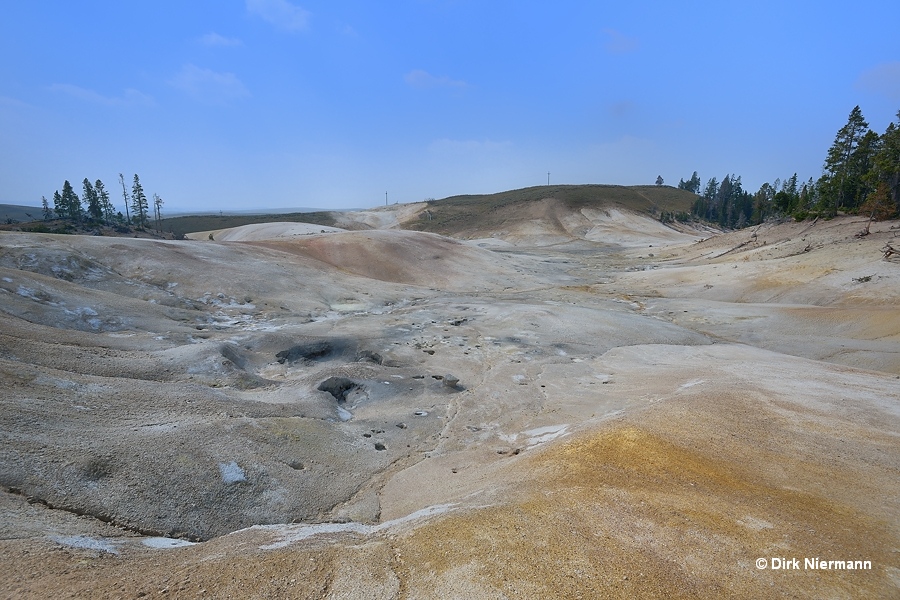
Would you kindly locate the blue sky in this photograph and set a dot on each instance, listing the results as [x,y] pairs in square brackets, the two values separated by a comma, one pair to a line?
[242,104]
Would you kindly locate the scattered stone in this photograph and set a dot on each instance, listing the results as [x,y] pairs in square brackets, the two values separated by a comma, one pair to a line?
[379,446]
[402,425]
[450,381]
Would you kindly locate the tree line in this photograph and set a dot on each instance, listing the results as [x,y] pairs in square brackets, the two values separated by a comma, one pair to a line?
[94,206]
[861,175]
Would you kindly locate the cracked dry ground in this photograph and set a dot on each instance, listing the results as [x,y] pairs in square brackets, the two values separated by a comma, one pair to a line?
[623,425]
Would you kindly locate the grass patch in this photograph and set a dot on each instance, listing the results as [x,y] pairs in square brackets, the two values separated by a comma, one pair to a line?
[457,213]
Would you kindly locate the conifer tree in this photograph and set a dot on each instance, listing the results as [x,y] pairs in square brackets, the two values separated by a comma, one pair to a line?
[71,202]
[692,185]
[45,208]
[105,205]
[58,207]
[93,201]
[884,175]
[139,205]
[840,182]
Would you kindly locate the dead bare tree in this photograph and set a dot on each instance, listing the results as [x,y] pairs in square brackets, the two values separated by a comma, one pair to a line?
[865,231]
[890,251]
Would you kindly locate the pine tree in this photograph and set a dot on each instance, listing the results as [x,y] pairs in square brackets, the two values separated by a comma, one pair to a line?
[787,199]
[58,207]
[712,188]
[724,204]
[72,203]
[694,184]
[708,208]
[105,204]
[762,203]
[139,205]
[809,196]
[95,211]
[862,163]
[884,175]
[840,182]
[45,208]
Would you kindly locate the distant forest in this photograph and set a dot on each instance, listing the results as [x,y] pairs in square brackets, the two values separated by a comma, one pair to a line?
[861,175]
[94,207]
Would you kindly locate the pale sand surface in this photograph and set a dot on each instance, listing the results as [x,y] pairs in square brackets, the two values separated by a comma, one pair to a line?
[262,231]
[630,421]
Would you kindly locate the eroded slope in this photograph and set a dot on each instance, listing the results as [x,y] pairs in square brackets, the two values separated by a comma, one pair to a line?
[627,422]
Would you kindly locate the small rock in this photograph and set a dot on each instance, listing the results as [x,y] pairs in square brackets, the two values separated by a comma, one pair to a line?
[401,425]
[450,380]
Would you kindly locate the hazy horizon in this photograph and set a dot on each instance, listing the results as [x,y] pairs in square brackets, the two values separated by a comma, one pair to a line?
[277,104]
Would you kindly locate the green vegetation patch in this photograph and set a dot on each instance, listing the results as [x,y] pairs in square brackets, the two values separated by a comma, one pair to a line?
[458,213]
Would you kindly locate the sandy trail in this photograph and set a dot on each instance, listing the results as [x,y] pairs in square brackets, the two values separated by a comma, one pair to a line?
[629,421]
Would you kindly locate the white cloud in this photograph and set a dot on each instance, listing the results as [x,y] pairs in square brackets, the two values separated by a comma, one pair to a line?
[280,13]
[209,86]
[619,43]
[882,79]
[213,39]
[130,97]
[423,80]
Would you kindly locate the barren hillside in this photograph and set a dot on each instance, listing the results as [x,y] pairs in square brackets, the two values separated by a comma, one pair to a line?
[562,400]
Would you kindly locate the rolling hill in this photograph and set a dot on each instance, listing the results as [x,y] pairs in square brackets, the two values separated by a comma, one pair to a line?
[456,215]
